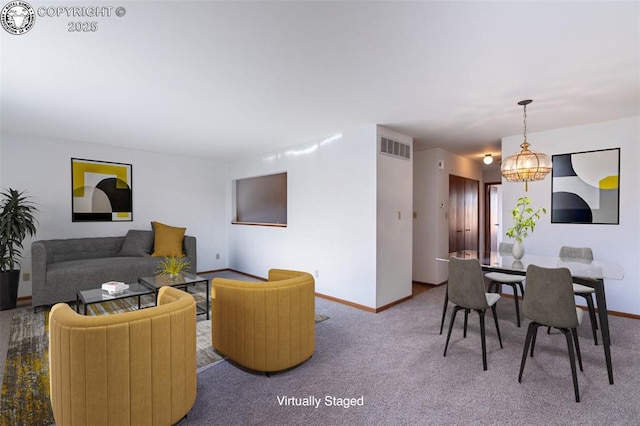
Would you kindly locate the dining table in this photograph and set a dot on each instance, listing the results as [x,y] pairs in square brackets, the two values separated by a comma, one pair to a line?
[588,273]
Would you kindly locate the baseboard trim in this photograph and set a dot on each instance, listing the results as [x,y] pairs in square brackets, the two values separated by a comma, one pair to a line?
[397,302]
[363,307]
[232,270]
[429,284]
[346,302]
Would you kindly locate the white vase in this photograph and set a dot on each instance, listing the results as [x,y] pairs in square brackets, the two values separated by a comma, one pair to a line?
[517,250]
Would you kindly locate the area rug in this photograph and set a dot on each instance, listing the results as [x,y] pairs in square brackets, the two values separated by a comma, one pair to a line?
[24,399]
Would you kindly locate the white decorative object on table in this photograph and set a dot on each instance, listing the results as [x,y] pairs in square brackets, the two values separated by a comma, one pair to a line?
[114,287]
[517,250]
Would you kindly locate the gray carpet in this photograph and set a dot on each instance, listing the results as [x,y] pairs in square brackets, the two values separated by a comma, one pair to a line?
[393,360]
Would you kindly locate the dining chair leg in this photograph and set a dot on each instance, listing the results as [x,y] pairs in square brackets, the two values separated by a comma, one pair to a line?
[527,343]
[517,302]
[453,318]
[483,338]
[444,309]
[466,317]
[572,360]
[574,332]
[495,320]
[592,315]
[533,339]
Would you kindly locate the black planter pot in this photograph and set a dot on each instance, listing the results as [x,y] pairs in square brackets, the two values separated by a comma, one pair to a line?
[9,289]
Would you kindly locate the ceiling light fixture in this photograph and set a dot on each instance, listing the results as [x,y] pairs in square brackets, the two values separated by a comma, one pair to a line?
[526,165]
[488,159]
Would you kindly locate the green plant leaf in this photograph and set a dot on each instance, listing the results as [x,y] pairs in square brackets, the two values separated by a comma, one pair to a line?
[524,218]
[17,221]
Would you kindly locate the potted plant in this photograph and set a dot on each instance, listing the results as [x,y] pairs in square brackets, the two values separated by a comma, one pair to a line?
[174,266]
[17,220]
[525,221]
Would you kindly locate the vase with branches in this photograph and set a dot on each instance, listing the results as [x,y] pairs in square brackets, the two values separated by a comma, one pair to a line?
[525,218]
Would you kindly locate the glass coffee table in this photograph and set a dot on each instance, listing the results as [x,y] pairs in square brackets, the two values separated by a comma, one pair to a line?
[89,297]
[182,282]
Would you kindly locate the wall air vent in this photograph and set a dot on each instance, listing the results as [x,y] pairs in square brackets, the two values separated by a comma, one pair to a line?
[395,148]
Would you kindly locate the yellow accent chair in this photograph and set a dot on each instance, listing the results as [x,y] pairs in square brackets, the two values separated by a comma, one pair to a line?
[264,326]
[135,368]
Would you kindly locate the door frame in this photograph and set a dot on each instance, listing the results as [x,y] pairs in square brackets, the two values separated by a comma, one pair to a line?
[487,214]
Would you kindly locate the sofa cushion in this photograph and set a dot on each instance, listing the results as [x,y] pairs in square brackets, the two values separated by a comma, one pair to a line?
[167,240]
[91,273]
[83,248]
[137,243]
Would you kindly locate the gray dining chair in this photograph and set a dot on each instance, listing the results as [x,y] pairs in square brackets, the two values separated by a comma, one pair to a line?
[582,254]
[467,292]
[498,279]
[550,302]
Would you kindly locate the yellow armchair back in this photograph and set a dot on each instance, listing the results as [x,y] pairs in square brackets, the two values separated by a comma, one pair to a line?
[265,326]
[135,368]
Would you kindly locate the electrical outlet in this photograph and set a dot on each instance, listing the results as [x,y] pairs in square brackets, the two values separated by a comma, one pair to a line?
[317,273]
[217,256]
[26,276]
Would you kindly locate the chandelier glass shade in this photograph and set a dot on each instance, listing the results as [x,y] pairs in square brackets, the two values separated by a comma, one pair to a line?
[526,166]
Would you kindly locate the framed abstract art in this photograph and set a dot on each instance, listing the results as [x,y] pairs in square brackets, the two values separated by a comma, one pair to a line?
[585,187]
[100,191]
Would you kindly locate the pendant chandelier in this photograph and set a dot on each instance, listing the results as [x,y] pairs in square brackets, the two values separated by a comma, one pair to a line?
[526,165]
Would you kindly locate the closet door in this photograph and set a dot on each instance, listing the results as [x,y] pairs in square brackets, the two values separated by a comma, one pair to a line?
[471,214]
[456,213]
[463,213]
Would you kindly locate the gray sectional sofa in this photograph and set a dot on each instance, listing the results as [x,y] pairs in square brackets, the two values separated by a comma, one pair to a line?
[62,267]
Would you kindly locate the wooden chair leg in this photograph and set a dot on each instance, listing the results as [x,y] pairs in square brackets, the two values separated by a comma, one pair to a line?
[592,316]
[466,317]
[453,318]
[517,302]
[495,320]
[574,332]
[527,343]
[533,339]
[572,360]
[444,309]
[484,340]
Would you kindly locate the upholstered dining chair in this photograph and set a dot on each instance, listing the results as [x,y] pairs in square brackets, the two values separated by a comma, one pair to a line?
[466,291]
[498,279]
[549,302]
[582,254]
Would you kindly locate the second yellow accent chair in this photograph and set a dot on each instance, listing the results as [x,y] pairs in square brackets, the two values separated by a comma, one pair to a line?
[264,326]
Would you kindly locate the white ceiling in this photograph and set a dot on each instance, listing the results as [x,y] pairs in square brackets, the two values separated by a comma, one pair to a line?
[226,80]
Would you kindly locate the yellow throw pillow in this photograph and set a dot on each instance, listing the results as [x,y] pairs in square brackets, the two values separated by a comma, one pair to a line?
[167,240]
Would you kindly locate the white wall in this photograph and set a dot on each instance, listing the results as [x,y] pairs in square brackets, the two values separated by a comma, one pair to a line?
[431,204]
[331,230]
[394,223]
[178,191]
[615,243]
